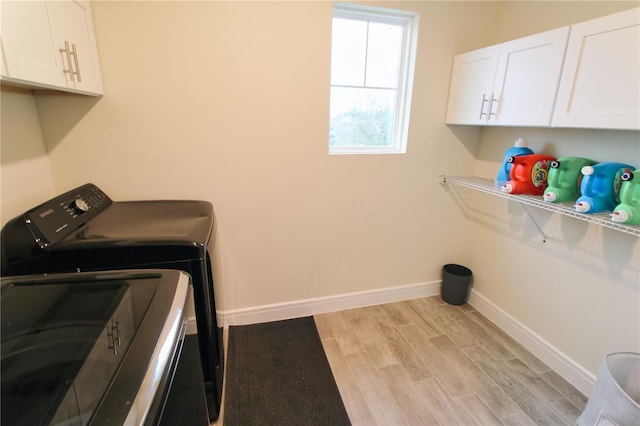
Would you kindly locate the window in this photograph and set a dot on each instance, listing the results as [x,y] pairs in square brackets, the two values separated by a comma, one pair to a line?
[372,61]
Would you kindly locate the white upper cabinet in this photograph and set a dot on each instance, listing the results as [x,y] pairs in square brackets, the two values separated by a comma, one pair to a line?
[28,53]
[50,44]
[600,86]
[510,84]
[472,86]
[527,79]
[72,31]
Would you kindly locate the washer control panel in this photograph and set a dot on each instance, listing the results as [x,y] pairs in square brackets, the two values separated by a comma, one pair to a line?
[55,219]
[80,206]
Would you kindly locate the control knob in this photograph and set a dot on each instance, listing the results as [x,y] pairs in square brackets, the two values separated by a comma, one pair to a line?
[79,206]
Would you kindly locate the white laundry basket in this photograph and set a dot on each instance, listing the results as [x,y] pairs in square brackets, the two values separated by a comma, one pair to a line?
[616,397]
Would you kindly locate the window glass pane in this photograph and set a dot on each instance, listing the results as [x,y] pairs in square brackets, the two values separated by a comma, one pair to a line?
[348,51]
[383,56]
[372,60]
[361,117]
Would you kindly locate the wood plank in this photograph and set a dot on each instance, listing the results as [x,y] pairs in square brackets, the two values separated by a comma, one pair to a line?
[370,339]
[467,307]
[407,397]
[443,409]
[476,411]
[516,348]
[323,327]
[481,383]
[484,337]
[407,358]
[518,419]
[343,332]
[379,399]
[452,311]
[459,336]
[538,386]
[576,397]
[352,396]
[431,357]
[431,301]
[526,400]
[401,313]
[439,312]
[374,310]
[432,325]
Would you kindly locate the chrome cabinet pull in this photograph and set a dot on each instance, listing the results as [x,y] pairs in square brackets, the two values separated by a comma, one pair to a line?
[114,338]
[484,101]
[116,334]
[74,52]
[69,65]
[112,342]
[493,99]
[69,53]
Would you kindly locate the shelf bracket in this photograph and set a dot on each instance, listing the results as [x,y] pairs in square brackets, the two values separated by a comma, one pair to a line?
[526,210]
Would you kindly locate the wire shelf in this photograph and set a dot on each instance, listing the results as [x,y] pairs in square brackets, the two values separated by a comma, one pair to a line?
[490,187]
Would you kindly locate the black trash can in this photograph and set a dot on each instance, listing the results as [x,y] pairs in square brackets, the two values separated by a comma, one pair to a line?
[456,281]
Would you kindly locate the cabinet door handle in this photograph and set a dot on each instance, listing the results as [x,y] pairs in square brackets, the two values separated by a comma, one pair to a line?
[484,101]
[112,342]
[114,338]
[116,334]
[69,65]
[74,53]
[493,99]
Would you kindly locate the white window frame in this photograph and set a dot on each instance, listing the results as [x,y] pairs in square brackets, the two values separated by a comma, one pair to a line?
[409,22]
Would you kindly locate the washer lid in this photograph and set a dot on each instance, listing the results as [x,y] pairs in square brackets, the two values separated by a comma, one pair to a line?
[179,222]
[88,346]
[133,234]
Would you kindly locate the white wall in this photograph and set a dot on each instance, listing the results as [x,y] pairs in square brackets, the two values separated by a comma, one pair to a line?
[25,172]
[522,18]
[228,102]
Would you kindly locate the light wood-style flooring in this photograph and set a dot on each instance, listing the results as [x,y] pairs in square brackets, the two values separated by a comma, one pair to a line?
[425,362]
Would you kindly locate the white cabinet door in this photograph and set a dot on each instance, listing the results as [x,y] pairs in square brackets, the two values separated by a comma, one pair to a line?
[527,78]
[471,86]
[35,36]
[600,86]
[28,54]
[510,84]
[73,37]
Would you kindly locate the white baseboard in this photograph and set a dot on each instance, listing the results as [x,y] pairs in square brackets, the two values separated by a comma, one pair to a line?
[557,360]
[570,370]
[302,308]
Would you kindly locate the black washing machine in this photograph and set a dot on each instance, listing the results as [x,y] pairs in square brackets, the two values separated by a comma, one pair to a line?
[84,230]
[99,348]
